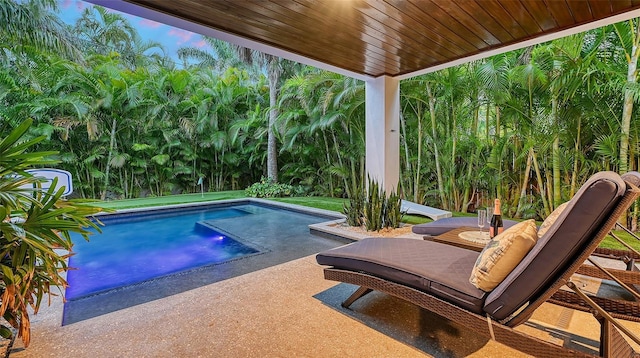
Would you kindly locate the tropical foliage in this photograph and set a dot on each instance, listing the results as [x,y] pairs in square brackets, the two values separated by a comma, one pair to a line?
[35,227]
[526,126]
[267,188]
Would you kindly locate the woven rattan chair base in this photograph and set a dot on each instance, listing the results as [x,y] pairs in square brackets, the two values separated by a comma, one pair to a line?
[503,334]
[615,253]
[626,310]
[628,277]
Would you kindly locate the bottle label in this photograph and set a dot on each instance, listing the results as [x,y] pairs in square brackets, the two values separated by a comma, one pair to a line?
[493,231]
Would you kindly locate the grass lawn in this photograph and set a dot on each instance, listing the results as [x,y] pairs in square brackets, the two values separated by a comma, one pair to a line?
[168,200]
[611,243]
[334,204]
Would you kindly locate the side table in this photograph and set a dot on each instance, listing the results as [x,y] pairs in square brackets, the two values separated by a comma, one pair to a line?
[452,238]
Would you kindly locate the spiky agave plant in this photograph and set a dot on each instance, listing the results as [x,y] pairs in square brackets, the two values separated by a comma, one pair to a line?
[354,209]
[392,213]
[374,206]
[35,227]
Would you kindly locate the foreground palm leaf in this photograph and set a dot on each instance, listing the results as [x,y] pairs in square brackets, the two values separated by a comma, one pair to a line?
[35,232]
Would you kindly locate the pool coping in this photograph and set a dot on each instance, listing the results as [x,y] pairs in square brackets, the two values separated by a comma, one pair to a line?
[327,229]
[228,202]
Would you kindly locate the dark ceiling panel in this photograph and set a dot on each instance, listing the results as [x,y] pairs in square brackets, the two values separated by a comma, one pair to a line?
[580,10]
[435,21]
[389,37]
[404,29]
[600,8]
[620,5]
[470,23]
[477,11]
[561,12]
[539,10]
[521,16]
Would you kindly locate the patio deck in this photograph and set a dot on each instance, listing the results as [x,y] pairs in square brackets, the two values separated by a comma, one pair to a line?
[284,310]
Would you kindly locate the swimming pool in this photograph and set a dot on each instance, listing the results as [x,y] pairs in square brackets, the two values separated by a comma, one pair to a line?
[258,235]
[141,247]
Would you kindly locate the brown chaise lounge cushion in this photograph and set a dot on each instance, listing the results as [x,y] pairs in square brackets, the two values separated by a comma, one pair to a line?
[546,224]
[439,269]
[443,271]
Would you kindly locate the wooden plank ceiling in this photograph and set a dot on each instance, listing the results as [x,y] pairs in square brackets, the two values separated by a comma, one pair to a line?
[389,37]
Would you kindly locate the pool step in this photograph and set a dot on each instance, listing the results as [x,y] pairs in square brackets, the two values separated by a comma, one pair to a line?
[205,227]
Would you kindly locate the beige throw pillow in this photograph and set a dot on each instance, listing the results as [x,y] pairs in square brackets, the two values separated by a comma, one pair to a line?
[546,224]
[502,254]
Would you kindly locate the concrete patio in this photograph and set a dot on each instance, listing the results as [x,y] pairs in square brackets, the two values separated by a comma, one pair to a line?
[287,310]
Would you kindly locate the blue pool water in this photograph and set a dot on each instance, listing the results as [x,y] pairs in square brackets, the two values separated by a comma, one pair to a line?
[141,247]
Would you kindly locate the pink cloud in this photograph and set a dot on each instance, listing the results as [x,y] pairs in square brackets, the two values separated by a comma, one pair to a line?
[149,23]
[182,35]
[80,5]
[200,44]
[65,4]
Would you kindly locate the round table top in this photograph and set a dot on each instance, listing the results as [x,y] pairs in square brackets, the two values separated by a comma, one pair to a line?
[481,237]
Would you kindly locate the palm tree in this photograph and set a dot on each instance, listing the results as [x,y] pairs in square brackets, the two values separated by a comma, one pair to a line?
[103,32]
[275,67]
[30,27]
[326,109]
[629,35]
[257,61]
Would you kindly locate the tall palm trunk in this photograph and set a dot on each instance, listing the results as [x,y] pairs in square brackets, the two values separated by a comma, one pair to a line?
[556,191]
[574,174]
[627,110]
[326,152]
[432,110]
[525,184]
[540,182]
[549,189]
[340,162]
[486,121]
[497,137]
[272,153]
[555,154]
[454,189]
[469,188]
[416,184]
[220,171]
[123,179]
[403,128]
[112,144]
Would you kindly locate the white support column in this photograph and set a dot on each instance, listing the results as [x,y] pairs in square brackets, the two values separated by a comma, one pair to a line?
[382,101]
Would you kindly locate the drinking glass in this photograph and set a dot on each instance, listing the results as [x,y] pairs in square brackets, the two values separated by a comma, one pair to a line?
[482,219]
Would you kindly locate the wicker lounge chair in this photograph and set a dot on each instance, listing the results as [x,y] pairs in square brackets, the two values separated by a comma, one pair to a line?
[631,257]
[629,278]
[435,276]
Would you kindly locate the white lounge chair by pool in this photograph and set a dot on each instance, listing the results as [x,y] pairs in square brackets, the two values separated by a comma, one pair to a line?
[413,208]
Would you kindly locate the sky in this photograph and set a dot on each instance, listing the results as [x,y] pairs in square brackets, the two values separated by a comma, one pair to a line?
[171,38]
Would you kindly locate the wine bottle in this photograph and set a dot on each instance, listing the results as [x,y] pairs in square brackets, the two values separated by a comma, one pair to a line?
[496,227]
